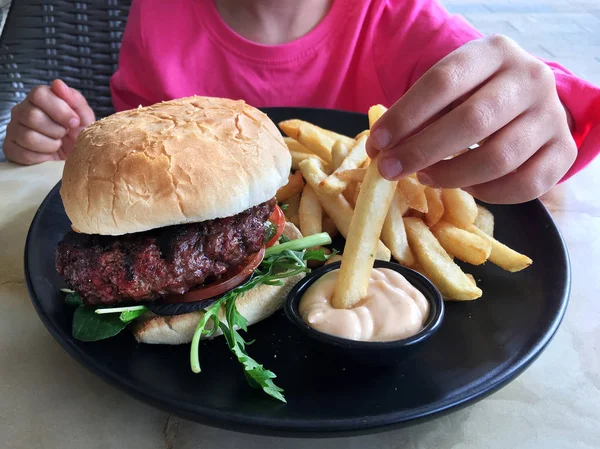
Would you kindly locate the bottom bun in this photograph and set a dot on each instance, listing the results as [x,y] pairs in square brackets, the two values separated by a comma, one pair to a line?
[255,305]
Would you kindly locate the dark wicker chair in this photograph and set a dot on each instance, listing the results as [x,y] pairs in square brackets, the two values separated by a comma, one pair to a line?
[77,41]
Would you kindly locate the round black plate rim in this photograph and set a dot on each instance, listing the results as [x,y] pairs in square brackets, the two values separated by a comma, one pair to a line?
[306,427]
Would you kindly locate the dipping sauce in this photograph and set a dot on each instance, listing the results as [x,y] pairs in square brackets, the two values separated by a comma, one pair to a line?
[392,310]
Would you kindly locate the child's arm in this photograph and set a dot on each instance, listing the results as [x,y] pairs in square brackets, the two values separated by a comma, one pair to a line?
[423,33]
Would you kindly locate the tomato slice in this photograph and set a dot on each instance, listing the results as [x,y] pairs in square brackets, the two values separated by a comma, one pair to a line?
[278,219]
[212,290]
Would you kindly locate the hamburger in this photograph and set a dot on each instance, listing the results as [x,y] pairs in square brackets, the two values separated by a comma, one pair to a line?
[174,203]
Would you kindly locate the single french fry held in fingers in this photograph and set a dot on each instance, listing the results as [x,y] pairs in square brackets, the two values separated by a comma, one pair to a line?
[364,133]
[439,266]
[339,151]
[295,185]
[336,206]
[294,145]
[371,209]
[355,174]
[375,112]
[463,244]
[471,278]
[293,128]
[435,206]
[334,184]
[310,212]
[393,233]
[329,226]
[506,258]
[460,208]
[414,192]
[484,220]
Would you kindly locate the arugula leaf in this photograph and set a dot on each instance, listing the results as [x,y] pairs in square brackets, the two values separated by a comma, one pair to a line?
[73,298]
[89,326]
[283,206]
[318,254]
[129,315]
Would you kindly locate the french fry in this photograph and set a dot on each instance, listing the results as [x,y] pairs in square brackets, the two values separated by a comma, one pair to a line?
[371,209]
[294,145]
[299,157]
[295,220]
[293,205]
[393,233]
[460,208]
[328,226]
[355,174]
[351,193]
[484,220]
[334,184]
[366,132]
[334,259]
[295,128]
[464,245]
[310,212]
[335,206]
[414,193]
[375,112]
[440,268]
[295,185]
[356,193]
[435,206]
[339,151]
[471,278]
[506,258]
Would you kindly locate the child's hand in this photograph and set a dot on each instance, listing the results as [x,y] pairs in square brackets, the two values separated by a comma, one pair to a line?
[509,98]
[44,126]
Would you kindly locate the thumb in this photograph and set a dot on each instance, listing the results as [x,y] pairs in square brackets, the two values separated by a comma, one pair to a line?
[75,100]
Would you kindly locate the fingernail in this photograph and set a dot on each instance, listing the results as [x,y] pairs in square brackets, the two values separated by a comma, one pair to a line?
[380,138]
[74,122]
[426,180]
[389,167]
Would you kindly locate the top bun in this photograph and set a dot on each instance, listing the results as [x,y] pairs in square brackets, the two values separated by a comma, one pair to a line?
[181,161]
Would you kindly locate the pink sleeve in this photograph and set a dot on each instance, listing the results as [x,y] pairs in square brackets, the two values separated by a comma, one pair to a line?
[412,35]
[127,87]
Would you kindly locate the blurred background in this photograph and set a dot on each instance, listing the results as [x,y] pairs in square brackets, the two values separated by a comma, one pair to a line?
[566,31]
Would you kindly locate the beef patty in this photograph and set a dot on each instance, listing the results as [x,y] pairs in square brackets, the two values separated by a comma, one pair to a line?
[147,265]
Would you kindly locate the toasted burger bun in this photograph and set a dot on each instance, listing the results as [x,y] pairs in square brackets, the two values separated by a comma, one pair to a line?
[181,161]
[255,305]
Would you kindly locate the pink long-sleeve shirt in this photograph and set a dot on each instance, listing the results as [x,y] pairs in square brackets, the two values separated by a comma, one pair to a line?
[363,52]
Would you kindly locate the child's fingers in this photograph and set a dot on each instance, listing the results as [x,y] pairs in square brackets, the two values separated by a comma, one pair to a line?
[32,140]
[534,178]
[75,100]
[450,79]
[20,155]
[56,108]
[34,118]
[501,154]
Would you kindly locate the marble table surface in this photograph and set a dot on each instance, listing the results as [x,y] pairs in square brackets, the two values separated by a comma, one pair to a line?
[47,400]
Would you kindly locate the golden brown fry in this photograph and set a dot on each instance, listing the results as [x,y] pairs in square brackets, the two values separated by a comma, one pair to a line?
[484,220]
[460,208]
[334,259]
[414,192]
[292,207]
[299,157]
[356,193]
[294,128]
[334,184]
[310,212]
[471,278]
[351,193]
[295,220]
[294,145]
[355,174]
[435,206]
[335,206]
[371,209]
[506,258]
[364,133]
[393,233]
[441,269]
[329,227]
[295,185]
[464,245]
[339,151]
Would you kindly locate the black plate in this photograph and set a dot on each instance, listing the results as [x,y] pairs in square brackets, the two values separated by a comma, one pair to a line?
[480,347]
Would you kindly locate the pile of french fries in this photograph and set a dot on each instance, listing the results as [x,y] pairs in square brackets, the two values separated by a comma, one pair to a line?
[424,228]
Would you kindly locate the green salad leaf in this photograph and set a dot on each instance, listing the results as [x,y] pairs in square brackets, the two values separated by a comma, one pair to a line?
[89,326]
